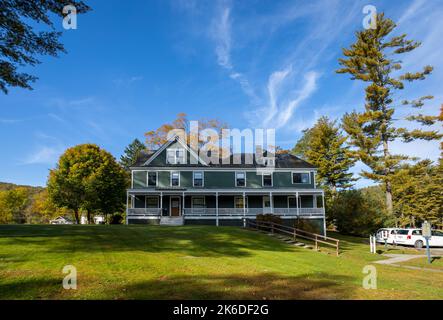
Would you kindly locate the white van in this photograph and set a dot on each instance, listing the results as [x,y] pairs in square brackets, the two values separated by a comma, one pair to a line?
[413,237]
[389,232]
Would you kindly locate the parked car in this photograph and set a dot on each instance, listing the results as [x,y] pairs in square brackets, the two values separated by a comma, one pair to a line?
[388,233]
[413,237]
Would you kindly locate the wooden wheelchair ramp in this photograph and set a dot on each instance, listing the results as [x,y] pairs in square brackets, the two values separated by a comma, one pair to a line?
[297,237]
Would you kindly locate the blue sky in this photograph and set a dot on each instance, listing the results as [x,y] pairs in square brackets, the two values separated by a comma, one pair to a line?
[253,64]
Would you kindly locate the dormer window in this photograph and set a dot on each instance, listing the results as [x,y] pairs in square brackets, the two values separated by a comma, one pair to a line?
[175,156]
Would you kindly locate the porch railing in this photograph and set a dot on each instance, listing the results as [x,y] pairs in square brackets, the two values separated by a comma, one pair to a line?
[230,212]
[317,239]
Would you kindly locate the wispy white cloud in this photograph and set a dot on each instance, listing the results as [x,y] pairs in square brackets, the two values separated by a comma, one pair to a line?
[44,155]
[126,82]
[221,34]
[63,103]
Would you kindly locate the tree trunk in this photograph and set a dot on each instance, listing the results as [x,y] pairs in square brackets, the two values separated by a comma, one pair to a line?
[77,219]
[88,213]
[389,205]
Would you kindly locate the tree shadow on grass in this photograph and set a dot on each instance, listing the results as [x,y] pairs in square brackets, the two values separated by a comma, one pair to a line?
[267,286]
[262,286]
[190,240]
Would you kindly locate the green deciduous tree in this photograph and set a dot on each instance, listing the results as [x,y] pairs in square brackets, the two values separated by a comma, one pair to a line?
[374,59]
[324,146]
[131,153]
[13,203]
[21,44]
[418,194]
[359,212]
[89,178]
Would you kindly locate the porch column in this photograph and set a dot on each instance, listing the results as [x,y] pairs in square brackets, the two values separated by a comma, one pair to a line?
[314,201]
[183,207]
[271,201]
[216,209]
[296,203]
[127,206]
[161,203]
[244,205]
[324,213]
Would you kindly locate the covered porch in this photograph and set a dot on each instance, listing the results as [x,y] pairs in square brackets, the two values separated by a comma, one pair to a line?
[223,204]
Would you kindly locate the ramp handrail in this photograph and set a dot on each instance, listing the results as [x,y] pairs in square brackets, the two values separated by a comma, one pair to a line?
[275,227]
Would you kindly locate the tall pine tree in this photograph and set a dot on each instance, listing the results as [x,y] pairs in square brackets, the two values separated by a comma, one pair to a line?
[373,58]
[131,153]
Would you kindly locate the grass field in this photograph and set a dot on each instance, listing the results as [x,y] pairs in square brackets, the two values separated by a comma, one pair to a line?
[191,262]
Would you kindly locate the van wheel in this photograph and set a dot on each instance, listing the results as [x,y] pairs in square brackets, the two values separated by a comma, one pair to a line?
[418,244]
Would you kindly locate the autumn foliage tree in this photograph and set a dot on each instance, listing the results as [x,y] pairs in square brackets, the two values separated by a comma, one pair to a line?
[88,178]
[156,138]
[374,59]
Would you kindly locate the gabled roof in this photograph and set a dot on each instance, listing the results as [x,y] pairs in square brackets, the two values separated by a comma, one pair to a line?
[167,144]
[282,160]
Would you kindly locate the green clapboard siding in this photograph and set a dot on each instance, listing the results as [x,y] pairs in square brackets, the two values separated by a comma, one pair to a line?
[163,179]
[215,179]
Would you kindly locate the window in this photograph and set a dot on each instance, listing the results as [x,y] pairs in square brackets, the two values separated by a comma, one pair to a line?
[301,177]
[198,178]
[152,179]
[175,179]
[152,202]
[240,179]
[267,180]
[138,179]
[175,156]
[198,202]
[416,232]
[238,203]
[403,232]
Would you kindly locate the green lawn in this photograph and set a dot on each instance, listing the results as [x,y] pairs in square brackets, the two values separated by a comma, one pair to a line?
[191,262]
[436,263]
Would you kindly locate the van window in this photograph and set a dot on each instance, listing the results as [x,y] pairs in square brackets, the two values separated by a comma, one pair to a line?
[437,233]
[416,232]
[403,231]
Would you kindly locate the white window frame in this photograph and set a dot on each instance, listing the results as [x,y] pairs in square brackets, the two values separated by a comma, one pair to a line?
[147,178]
[203,179]
[192,201]
[174,150]
[241,198]
[235,177]
[158,201]
[292,177]
[170,178]
[263,179]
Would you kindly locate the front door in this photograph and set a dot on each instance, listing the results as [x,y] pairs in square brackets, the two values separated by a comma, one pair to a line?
[266,204]
[175,206]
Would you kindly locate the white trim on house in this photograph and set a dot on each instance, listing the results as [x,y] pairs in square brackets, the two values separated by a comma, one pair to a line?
[203,179]
[222,169]
[152,196]
[170,178]
[177,160]
[292,177]
[167,144]
[156,178]
[272,179]
[235,178]
[192,201]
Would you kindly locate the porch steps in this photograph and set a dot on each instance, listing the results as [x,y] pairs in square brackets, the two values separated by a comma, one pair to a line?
[171,221]
[290,241]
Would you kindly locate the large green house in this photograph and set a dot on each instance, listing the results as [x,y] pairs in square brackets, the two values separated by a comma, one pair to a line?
[174,186]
